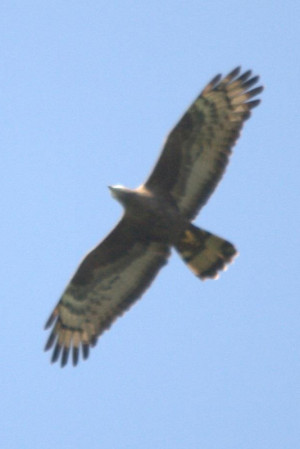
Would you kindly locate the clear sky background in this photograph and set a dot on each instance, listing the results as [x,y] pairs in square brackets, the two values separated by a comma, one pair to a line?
[89,90]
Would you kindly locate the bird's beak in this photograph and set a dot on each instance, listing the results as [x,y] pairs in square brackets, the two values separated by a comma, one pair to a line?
[117,191]
[114,191]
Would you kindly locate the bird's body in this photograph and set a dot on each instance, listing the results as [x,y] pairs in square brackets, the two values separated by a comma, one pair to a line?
[164,221]
[157,216]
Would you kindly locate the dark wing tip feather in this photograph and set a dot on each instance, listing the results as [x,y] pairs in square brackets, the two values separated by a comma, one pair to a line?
[244,76]
[65,356]
[85,350]
[252,104]
[249,82]
[255,91]
[56,353]
[51,319]
[215,79]
[75,355]
[233,74]
[93,341]
[50,341]
[212,84]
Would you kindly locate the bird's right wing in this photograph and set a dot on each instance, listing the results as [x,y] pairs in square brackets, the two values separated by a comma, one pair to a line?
[110,278]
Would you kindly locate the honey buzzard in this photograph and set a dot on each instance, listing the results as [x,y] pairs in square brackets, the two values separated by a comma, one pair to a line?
[158,217]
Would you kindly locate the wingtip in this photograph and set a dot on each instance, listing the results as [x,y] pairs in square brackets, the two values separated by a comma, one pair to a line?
[50,320]
[75,355]
[234,73]
[252,104]
[62,343]
[212,84]
[56,353]
[231,78]
[65,356]
[50,341]
[85,350]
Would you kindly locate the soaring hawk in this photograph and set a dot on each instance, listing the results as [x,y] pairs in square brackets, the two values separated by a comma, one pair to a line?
[157,216]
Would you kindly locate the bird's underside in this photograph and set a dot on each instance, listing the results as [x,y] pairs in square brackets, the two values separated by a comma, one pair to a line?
[158,217]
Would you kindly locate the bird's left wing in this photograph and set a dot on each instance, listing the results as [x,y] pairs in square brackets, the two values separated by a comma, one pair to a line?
[110,278]
[197,150]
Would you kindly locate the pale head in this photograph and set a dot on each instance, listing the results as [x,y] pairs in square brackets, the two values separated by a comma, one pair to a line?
[121,193]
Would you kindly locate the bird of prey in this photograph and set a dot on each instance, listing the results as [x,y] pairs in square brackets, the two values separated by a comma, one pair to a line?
[157,217]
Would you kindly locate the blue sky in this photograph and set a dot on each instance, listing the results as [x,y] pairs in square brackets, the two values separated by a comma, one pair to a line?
[89,91]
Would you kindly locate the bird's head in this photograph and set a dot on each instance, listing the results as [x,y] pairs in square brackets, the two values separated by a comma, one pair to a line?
[121,193]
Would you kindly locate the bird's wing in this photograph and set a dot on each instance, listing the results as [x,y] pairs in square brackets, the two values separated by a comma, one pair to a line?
[110,278]
[197,150]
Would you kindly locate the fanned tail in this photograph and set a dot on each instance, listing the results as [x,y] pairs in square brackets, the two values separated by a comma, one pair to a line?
[205,254]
